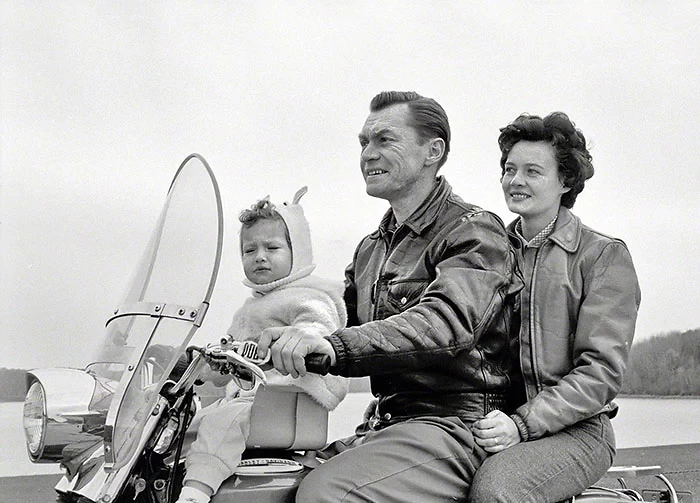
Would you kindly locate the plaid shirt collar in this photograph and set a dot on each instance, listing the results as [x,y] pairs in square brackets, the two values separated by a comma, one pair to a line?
[539,239]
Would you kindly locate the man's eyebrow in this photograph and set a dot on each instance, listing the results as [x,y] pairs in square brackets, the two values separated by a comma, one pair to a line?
[375,132]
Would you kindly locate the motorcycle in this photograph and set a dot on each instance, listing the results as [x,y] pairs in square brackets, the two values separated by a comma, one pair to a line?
[120,426]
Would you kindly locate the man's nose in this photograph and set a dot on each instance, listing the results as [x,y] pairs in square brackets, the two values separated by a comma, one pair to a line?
[368,153]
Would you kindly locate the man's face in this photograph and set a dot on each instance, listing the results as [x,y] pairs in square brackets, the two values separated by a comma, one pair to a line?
[393,155]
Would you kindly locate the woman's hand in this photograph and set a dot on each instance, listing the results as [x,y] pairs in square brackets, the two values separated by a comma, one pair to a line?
[495,432]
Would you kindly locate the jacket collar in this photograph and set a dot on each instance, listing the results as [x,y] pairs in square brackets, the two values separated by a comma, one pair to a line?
[567,230]
[425,214]
[566,233]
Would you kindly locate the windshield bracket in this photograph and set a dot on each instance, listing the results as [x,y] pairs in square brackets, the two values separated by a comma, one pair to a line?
[161,310]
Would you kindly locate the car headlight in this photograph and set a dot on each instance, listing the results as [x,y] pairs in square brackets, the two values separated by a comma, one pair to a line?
[34,420]
[60,420]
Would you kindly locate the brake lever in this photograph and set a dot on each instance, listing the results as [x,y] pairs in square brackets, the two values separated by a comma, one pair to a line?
[227,353]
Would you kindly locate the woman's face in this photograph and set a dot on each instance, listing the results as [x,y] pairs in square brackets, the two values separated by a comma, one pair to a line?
[531,183]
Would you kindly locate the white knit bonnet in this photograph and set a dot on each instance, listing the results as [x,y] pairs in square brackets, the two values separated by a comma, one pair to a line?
[300,238]
[299,234]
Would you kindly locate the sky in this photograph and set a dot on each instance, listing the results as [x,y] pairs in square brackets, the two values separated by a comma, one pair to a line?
[101,101]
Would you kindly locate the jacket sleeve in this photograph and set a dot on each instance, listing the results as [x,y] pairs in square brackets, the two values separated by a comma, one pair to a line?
[602,339]
[474,274]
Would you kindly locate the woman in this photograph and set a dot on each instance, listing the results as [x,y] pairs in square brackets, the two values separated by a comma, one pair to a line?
[578,312]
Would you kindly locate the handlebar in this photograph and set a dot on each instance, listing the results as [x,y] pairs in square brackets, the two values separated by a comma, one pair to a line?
[317,363]
[243,355]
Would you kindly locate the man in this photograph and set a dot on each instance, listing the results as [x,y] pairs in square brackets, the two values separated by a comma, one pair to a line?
[429,298]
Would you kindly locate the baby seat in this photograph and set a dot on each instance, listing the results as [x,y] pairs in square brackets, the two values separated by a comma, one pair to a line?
[286,428]
[286,418]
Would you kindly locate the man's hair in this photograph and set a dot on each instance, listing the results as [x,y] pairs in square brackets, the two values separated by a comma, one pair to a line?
[427,117]
[573,159]
[262,210]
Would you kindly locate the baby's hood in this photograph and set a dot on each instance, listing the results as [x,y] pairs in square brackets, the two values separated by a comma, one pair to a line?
[299,233]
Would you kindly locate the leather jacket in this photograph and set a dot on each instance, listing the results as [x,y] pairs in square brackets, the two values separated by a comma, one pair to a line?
[429,311]
[579,309]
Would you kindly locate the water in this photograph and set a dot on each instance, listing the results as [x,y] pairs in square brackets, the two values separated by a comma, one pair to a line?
[641,422]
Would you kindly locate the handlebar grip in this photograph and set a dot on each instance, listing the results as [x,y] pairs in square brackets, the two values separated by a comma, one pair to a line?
[318,363]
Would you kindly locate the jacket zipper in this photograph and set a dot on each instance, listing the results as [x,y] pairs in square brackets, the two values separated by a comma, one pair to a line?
[531,324]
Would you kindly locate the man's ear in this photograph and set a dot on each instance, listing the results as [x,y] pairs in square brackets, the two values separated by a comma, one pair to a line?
[435,152]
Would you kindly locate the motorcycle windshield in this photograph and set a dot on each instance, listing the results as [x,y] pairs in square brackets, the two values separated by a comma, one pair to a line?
[165,304]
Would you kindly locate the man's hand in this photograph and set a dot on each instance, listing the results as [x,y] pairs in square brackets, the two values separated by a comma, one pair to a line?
[289,346]
[495,432]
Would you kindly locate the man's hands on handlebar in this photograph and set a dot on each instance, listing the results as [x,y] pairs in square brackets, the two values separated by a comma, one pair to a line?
[289,346]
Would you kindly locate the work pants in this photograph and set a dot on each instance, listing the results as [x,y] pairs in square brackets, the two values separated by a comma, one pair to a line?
[549,469]
[428,459]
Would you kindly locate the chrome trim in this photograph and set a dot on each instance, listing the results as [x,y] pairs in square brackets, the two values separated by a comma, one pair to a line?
[220,219]
[117,476]
[69,421]
[155,309]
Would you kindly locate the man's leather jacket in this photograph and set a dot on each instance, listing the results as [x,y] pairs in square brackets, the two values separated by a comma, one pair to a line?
[429,311]
[578,316]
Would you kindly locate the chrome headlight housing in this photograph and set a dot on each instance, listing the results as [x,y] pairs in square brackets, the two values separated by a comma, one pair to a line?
[34,420]
[64,414]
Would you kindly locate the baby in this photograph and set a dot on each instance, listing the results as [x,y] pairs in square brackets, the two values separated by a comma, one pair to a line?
[277,263]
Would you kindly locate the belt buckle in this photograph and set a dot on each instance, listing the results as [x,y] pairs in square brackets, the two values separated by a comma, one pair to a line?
[493,402]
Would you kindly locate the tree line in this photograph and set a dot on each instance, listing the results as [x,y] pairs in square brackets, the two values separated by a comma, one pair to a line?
[664,365]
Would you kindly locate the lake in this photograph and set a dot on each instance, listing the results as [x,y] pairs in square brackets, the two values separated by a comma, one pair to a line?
[641,422]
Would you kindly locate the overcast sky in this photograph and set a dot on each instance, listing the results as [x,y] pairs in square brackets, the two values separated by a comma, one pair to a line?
[101,101]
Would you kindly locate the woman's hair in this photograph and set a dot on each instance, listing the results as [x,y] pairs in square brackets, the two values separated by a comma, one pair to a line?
[427,117]
[573,158]
[262,210]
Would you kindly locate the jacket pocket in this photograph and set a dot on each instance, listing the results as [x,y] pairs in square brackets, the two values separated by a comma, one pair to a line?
[404,294]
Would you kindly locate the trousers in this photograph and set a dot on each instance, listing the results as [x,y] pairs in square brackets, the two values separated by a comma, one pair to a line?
[426,459]
[222,429]
[549,469]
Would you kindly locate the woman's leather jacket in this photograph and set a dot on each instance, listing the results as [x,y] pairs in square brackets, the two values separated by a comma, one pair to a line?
[431,303]
[578,312]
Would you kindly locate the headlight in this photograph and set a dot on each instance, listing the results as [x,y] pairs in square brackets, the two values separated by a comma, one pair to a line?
[59,424]
[34,420]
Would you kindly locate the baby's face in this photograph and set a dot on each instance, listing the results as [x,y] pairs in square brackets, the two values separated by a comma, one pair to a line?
[265,254]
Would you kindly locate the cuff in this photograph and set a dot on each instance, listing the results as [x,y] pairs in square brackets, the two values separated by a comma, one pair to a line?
[522,427]
[339,348]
